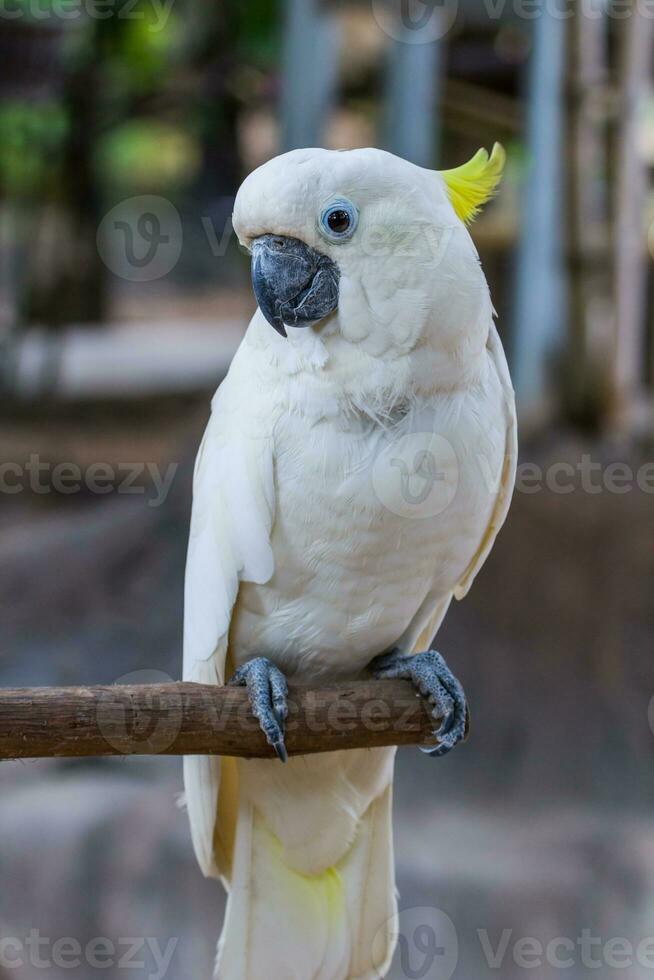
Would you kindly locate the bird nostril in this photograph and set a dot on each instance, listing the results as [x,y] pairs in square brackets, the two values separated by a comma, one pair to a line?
[278,241]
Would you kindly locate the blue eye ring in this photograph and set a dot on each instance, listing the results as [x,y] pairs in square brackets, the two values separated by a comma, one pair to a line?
[338,220]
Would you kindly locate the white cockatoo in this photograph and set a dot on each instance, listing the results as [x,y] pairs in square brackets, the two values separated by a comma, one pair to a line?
[356,468]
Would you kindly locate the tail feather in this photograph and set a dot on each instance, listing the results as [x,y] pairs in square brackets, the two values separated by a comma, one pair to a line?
[368,874]
[286,925]
[201,790]
[279,923]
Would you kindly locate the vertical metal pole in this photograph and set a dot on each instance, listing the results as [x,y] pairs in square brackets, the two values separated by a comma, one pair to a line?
[590,301]
[630,261]
[412,97]
[538,303]
[8,299]
[310,61]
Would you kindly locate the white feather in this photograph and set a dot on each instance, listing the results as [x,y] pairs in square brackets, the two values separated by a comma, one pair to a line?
[229,542]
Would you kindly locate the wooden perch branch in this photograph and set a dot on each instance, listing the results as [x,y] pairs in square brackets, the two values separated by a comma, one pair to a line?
[189,719]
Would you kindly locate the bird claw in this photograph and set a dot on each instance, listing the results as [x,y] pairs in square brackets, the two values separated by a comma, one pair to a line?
[434,680]
[267,692]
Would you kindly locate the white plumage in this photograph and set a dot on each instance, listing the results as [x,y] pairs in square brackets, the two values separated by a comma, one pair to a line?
[302,548]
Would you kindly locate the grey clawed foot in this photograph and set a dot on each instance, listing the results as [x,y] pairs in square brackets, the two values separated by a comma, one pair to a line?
[431,676]
[267,692]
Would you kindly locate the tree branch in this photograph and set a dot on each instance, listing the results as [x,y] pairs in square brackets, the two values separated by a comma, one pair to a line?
[188,719]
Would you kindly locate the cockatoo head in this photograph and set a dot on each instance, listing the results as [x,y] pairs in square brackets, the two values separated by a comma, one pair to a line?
[367,248]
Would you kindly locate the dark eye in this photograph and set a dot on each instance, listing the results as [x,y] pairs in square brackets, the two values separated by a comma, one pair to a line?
[338,220]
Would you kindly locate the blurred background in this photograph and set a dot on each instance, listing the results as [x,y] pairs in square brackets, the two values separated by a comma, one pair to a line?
[126,127]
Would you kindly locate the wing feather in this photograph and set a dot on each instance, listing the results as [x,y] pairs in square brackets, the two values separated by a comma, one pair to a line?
[507,477]
[229,543]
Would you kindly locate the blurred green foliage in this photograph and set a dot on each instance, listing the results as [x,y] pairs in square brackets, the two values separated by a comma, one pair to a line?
[258,30]
[147,155]
[107,100]
[152,115]
[139,51]
[31,137]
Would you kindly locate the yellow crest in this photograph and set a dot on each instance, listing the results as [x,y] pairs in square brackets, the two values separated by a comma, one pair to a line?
[472,184]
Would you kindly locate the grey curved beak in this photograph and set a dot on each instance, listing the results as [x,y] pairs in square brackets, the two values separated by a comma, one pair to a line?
[293,283]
